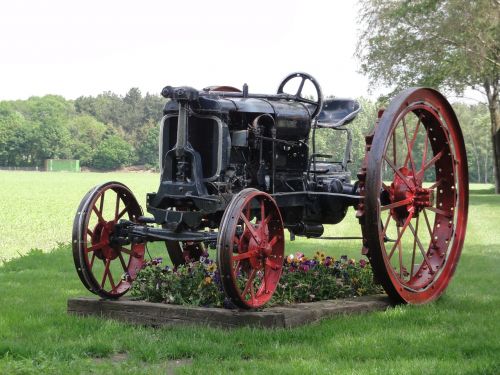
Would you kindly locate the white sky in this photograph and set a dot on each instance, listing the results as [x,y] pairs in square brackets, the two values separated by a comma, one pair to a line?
[74,48]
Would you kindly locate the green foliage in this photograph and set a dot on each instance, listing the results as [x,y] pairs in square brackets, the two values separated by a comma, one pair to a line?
[86,135]
[323,278]
[113,152]
[191,284]
[448,44]
[52,127]
[303,280]
[15,136]
[146,143]
[475,123]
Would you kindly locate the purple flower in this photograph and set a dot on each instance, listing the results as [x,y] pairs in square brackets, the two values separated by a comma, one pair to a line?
[304,267]
[362,263]
[156,261]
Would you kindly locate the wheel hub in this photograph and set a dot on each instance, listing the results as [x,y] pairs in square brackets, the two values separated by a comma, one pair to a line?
[410,189]
[260,247]
[102,233]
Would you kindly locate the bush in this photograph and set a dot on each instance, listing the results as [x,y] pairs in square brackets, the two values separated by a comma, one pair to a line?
[303,280]
[114,152]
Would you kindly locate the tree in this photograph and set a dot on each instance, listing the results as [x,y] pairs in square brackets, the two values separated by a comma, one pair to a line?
[112,153]
[86,135]
[15,137]
[450,44]
[146,143]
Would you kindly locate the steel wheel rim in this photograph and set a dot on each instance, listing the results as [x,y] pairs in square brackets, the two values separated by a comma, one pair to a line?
[417,281]
[92,245]
[250,250]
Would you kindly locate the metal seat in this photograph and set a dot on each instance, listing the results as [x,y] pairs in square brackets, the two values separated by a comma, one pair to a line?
[338,112]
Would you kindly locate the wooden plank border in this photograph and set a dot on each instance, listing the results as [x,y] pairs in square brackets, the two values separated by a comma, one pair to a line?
[159,314]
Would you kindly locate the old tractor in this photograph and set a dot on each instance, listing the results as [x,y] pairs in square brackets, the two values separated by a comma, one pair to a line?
[237,169]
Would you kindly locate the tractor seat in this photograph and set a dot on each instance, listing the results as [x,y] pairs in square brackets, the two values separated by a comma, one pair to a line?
[338,112]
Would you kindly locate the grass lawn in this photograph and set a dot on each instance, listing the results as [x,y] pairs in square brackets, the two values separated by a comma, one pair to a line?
[458,334]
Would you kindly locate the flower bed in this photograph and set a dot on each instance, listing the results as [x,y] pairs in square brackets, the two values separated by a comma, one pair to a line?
[303,280]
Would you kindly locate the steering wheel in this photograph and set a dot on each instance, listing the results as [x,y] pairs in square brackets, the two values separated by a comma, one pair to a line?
[318,105]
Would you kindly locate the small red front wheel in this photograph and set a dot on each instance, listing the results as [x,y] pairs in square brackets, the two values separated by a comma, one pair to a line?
[106,267]
[250,248]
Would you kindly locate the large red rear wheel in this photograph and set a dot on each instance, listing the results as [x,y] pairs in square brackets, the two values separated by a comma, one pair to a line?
[415,187]
[250,248]
[105,266]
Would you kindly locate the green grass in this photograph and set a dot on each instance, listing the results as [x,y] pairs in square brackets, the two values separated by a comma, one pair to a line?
[458,334]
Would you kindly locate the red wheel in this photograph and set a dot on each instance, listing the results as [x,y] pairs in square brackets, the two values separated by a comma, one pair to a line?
[415,188]
[250,248]
[106,267]
[182,252]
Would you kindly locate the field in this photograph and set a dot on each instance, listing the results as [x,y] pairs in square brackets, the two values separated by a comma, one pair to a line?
[458,334]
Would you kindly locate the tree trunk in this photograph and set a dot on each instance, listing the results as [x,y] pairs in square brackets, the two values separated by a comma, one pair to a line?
[492,91]
[496,150]
[486,172]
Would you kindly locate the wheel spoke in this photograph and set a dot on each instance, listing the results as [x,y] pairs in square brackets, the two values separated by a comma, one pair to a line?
[101,204]
[414,248]
[117,206]
[106,271]
[308,101]
[427,223]
[398,172]
[97,246]
[426,259]
[262,211]
[110,275]
[386,224]
[400,234]
[99,215]
[385,187]
[122,212]
[273,264]
[396,204]
[438,211]
[268,219]
[435,184]
[252,295]
[394,153]
[250,228]
[92,260]
[431,162]
[414,138]
[400,257]
[122,261]
[126,251]
[410,150]
[274,240]
[301,86]
[245,255]
[89,232]
[426,145]
[249,283]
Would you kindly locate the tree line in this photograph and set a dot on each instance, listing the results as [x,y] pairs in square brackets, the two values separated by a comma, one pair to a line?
[104,132]
[110,131]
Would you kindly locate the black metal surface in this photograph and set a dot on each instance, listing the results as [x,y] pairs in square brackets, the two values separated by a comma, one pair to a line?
[219,141]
